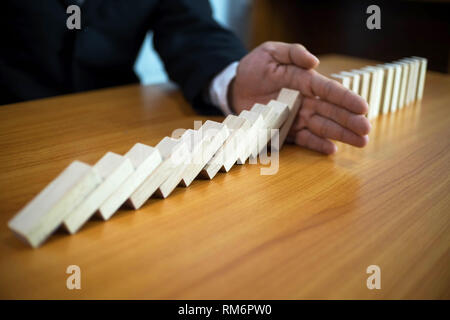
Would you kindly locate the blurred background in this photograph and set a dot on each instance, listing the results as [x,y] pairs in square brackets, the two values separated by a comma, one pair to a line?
[408,28]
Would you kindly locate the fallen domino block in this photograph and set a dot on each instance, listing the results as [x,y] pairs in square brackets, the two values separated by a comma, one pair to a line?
[113,169]
[228,153]
[191,140]
[293,99]
[145,159]
[249,144]
[45,213]
[274,115]
[281,114]
[263,137]
[169,148]
[212,136]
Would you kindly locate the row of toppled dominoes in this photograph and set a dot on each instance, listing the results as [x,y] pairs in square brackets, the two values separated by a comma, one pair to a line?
[387,87]
[81,190]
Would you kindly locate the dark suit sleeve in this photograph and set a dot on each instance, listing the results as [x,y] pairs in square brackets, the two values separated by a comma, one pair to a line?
[193,47]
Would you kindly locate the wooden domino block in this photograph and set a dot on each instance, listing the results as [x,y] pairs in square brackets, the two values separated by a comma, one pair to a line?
[113,169]
[377,77]
[45,213]
[388,80]
[212,136]
[280,116]
[267,113]
[416,64]
[404,83]
[250,143]
[293,99]
[343,79]
[416,78]
[190,139]
[274,114]
[145,159]
[364,83]
[397,69]
[372,91]
[355,80]
[169,149]
[411,80]
[422,75]
[229,152]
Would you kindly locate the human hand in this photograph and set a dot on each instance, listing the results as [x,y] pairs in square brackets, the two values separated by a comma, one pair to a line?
[328,111]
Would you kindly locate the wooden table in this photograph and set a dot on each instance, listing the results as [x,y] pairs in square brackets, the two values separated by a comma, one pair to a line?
[310,231]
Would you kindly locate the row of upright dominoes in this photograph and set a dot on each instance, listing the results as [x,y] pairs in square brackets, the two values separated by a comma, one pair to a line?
[387,87]
[81,190]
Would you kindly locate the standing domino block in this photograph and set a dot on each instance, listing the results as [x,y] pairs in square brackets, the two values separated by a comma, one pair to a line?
[387,87]
[404,84]
[396,86]
[416,63]
[45,213]
[355,80]
[145,159]
[376,90]
[228,153]
[411,78]
[293,99]
[212,136]
[372,91]
[422,75]
[251,138]
[365,83]
[169,149]
[113,170]
[343,79]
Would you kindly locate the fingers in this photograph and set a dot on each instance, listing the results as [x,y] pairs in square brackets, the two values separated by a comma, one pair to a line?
[327,128]
[295,54]
[313,84]
[307,139]
[332,91]
[354,122]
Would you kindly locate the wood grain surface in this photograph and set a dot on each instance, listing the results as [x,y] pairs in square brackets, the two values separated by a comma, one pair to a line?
[309,231]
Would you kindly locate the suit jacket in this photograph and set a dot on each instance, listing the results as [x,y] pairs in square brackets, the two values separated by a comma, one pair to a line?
[40,56]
